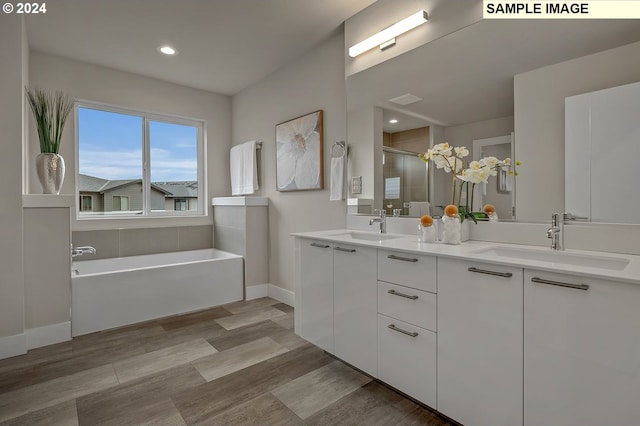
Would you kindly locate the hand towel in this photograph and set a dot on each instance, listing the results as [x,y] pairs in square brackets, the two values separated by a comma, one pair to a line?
[337,179]
[244,169]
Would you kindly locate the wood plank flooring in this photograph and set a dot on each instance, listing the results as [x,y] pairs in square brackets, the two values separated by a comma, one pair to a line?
[237,364]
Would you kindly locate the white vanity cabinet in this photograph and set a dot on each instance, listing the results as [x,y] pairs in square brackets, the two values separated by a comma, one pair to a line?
[315,316]
[407,324]
[480,337]
[582,350]
[355,306]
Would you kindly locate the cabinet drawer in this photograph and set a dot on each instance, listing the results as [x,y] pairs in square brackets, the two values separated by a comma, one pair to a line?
[407,269]
[407,361]
[407,304]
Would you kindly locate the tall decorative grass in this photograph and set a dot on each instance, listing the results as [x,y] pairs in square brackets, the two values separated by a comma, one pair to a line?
[50,111]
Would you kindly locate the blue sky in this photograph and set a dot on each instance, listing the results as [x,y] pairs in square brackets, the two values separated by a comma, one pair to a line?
[110,146]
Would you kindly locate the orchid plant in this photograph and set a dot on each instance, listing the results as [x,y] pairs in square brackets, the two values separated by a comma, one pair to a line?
[451,159]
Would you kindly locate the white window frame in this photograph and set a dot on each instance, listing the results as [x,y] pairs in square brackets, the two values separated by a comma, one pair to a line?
[147,117]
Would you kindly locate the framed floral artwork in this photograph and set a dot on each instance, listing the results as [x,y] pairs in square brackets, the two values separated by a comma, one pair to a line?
[299,153]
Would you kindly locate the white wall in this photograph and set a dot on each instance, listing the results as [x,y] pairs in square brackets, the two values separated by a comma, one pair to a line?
[539,122]
[100,84]
[314,81]
[14,76]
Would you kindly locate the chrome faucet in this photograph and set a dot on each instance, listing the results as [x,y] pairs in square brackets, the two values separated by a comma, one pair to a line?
[556,232]
[382,219]
[79,251]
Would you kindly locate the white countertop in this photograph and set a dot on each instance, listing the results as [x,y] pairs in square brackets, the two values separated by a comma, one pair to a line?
[475,251]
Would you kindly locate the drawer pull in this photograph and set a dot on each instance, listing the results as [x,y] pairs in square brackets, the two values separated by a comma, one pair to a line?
[406,259]
[399,330]
[344,249]
[395,293]
[319,245]
[560,283]
[485,271]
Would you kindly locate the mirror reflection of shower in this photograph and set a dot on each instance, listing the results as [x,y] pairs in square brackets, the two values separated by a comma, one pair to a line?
[406,189]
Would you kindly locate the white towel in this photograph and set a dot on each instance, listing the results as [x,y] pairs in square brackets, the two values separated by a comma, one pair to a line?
[337,179]
[244,169]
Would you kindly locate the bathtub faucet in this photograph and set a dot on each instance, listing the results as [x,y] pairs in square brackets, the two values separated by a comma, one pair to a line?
[79,251]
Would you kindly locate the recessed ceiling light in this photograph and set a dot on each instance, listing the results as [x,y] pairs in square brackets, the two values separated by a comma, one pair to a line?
[167,50]
[393,121]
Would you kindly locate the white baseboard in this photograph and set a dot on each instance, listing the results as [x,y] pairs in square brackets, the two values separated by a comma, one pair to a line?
[281,294]
[13,345]
[263,290]
[48,335]
[256,291]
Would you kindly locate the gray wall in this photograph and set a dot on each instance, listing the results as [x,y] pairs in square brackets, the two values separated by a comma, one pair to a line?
[314,81]
[13,70]
[101,84]
[539,122]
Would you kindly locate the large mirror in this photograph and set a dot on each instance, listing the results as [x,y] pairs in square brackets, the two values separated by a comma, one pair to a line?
[495,80]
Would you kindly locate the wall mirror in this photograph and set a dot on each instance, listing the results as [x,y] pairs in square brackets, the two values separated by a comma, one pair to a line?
[460,87]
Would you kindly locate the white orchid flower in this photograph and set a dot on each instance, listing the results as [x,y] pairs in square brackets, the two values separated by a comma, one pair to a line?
[299,153]
[461,151]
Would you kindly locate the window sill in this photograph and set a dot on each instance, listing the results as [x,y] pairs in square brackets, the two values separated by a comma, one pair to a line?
[47,200]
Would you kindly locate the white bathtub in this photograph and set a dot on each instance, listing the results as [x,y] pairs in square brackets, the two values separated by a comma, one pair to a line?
[108,293]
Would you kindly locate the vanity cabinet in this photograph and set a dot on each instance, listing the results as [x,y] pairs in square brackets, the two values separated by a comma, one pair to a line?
[582,350]
[407,324]
[480,339]
[355,306]
[316,288]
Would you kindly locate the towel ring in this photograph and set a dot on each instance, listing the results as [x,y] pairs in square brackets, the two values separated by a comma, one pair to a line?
[338,149]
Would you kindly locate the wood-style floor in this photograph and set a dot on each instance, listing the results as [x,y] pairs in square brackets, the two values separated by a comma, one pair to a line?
[238,364]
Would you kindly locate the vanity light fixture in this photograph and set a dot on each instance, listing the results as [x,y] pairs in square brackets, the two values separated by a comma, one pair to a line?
[167,50]
[386,37]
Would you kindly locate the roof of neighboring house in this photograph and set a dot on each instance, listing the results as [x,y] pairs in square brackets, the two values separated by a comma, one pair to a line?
[179,189]
[88,183]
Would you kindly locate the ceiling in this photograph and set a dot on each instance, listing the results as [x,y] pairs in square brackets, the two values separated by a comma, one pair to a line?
[467,76]
[224,46]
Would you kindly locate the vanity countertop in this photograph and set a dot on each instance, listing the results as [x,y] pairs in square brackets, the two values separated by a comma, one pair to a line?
[618,267]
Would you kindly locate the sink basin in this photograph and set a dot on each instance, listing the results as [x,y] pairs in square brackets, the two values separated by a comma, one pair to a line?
[364,236]
[559,257]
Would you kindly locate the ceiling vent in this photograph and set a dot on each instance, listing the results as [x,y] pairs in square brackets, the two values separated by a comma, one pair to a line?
[405,99]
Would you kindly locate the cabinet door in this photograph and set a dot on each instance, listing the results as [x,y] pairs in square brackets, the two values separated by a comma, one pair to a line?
[407,358]
[582,351]
[480,343]
[355,306]
[316,293]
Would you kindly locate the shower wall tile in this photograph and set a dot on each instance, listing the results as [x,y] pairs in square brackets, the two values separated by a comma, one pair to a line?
[105,242]
[195,237]
[148,241]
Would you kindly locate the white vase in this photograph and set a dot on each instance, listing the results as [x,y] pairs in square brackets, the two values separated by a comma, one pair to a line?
[50,170]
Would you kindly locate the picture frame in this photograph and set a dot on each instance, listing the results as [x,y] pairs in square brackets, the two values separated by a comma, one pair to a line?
[300,153]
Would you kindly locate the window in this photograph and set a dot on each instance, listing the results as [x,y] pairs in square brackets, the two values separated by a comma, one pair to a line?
[85,203]
[120,203]
[134,163]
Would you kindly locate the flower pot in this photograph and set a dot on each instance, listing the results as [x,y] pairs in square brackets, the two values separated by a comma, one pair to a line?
[50,169]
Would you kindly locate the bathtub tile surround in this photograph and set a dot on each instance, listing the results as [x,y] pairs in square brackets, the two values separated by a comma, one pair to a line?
[139,241]
[241,226]
[255,378]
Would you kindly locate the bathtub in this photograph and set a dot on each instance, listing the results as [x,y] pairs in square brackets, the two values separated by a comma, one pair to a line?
[108,293]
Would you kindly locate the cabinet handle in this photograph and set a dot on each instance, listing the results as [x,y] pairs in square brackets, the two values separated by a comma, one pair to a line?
[406,259]
[560,283]
[319,245]
[344,249]
[395,293]
[399,330]
[485,271]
